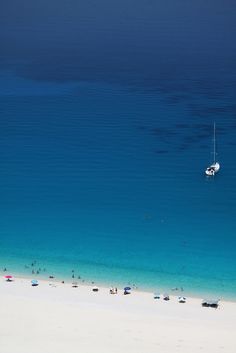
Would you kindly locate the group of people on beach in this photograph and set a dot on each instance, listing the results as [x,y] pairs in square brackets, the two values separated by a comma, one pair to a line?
[113,290]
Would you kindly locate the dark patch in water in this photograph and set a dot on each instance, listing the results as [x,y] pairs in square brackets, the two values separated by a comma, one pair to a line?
[211,111]
[183,147]
[163,132]
[141,127]
[206,127]
[182,126]
[161,151]
[196,138]
[183,136]
[176,98]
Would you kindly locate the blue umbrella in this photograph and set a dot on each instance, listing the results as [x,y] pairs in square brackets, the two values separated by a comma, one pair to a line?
[34,282]
[127,288]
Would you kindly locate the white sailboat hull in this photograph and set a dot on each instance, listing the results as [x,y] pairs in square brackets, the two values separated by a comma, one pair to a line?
[213,169]
[216,166]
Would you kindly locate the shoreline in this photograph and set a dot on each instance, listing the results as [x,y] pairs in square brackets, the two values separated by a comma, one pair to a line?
[173,291]
[67,283]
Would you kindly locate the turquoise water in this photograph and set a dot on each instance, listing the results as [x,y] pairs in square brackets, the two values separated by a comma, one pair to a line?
[108,180]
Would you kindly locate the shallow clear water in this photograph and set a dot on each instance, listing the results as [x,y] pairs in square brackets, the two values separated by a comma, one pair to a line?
[108,180]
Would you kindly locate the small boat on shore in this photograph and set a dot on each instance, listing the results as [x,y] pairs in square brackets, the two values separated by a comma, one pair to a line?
[215,166]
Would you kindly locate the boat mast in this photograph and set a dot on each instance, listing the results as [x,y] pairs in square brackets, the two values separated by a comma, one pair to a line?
[214,141]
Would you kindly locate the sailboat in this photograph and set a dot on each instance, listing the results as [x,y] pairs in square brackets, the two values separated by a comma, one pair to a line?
[215,166]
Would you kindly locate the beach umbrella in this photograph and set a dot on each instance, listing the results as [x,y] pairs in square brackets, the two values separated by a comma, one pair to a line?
[8,277]
[95,289]
[34,282]
[127,288]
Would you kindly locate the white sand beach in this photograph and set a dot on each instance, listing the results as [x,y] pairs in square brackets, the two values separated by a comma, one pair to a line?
[59,318]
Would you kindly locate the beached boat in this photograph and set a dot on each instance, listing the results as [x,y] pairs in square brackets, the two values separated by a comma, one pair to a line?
[215,166]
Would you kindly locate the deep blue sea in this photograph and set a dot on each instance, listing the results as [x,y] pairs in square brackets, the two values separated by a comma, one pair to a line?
[108,181]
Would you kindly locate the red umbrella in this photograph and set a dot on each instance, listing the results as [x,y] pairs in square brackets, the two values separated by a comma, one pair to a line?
[8,277]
